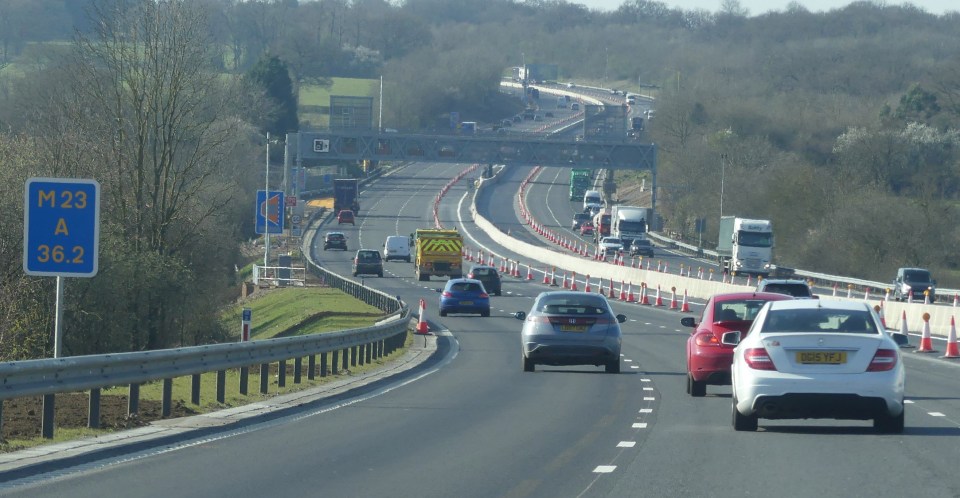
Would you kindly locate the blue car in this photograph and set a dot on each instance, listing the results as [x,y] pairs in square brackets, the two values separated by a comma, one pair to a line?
[464,295]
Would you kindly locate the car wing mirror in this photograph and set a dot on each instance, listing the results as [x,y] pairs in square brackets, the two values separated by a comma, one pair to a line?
[902,340]
[520,315]
[438,290]
[730,338]
[688,321]
[621,318]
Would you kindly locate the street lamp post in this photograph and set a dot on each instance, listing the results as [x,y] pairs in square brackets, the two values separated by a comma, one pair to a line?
[723,160]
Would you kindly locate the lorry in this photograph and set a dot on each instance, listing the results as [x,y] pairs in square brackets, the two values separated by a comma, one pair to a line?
[439,253]
[601,225]
[346,195]
[745,246]
[629,223]
[579,183]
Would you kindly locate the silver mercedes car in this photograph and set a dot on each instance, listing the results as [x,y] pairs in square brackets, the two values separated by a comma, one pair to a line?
[571,328]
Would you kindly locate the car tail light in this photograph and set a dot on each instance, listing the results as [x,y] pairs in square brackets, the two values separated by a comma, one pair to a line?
[758,359]
[883,360]
[469,275]
[707,339]
[484,295]
[447,294]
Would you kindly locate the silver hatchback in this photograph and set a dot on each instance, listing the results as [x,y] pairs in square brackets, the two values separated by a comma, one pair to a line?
[571,328]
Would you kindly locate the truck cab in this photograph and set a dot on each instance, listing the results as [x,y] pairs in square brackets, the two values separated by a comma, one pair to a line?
[745,246]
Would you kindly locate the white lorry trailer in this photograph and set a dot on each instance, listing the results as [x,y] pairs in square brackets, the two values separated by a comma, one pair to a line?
[745,246]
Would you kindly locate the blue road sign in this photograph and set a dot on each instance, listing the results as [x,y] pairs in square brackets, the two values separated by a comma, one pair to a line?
[269,211]
[61,227]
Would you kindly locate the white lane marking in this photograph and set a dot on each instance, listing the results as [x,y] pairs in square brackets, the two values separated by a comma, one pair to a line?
[936,414]
[639,425]
[635,366]
[627,360]
[604,469]
[646,410]
[644,380]
[908,401]
[626,444]
[648,389]
[649,398]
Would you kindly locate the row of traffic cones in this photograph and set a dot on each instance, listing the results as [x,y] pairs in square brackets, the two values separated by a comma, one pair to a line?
[926,340]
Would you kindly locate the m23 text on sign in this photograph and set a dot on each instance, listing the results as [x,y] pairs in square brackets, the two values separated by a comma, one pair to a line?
[61,219]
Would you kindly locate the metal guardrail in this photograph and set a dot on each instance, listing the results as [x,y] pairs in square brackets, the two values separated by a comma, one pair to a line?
[94,372]
[818,278]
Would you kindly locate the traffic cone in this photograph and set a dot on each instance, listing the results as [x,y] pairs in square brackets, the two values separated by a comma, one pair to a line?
[516,269]
[673,298]
[422,327]
[926,297]
[849,291]
[956,300]
[881,312]
[529,272]
[903,324]
[866,294]
[643,295]
[834,290]
[630,298]
[600,286]
[926,343]
[610,293]
[623,292]
[565,285]
[586,284]
[553,277]
[684,306]
[546,277]
[573,282]
[503,266]
[952,350]
[658,301]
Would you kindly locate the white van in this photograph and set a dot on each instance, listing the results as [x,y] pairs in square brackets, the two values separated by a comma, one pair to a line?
[397,247]
[592,198]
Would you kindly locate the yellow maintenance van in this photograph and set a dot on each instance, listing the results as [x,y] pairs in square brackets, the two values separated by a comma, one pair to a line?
[439,253]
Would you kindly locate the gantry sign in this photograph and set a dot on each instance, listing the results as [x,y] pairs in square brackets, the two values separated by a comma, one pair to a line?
[510,150]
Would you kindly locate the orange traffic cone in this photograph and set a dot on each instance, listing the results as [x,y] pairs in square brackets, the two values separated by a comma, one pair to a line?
[623,292]
[658,301]
[565,285]
[586,284]
[529,273]
[573,282]
[926,342]
[684,306]
[883,320]
[630,298]
[903,324]
[546,277]
[673,298]
[952,350]
[610,293]
[422,327]
[643,294]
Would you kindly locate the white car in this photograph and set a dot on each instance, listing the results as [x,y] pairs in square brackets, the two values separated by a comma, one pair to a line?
[817,358]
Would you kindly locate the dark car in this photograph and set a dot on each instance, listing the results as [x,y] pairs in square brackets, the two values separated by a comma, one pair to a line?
[791,287]
[641,247]
[708,361]
[489,276]
[464,295]
[368,262]
[570,328]
[345,216]
[335,240]
[912,283]
[580,219]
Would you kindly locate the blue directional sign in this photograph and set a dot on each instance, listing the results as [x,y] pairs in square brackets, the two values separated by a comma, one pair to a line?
[61,227]
[269,211]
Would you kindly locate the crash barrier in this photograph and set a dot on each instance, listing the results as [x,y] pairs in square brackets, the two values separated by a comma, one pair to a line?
[695,284]
[336,350]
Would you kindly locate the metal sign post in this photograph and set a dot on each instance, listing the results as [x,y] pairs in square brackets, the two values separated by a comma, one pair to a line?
[61,238]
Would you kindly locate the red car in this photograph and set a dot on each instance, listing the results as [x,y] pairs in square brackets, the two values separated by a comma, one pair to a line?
[345,216]
[708,361]
[586,228]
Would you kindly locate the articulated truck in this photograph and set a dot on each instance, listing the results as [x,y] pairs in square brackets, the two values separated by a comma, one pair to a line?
[745,246]
[629,223]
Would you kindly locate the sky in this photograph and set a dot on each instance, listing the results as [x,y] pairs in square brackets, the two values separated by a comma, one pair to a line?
[755,7]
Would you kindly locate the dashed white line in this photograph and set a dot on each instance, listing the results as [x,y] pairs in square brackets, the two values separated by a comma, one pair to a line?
[639,425]
[648,389]
[644,380]
[626,444]
[936,414]
[646,410]
[649,398]
[604,469]
[635,366]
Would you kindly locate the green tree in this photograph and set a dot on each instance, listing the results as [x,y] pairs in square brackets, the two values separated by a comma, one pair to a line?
[270,75]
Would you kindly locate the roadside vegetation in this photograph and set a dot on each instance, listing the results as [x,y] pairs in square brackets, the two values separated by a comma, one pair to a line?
[839,126]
